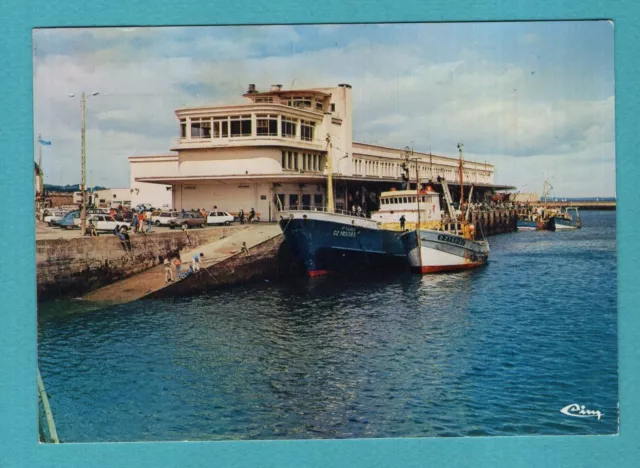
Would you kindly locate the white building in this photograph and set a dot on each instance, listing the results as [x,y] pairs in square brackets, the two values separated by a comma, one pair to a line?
[111,198]
[272,152]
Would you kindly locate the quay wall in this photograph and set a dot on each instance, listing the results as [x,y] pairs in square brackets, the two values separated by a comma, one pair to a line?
[76,266]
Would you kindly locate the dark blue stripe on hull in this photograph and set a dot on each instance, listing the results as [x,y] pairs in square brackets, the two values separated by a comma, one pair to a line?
[335,247]
[527,224]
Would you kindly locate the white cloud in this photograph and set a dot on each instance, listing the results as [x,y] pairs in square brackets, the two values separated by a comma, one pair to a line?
[401,95]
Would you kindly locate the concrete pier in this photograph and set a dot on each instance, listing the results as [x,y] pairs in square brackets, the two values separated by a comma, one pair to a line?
[68,265]
[223,264]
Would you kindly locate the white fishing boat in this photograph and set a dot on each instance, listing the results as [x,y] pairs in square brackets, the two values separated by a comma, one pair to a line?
[564,220]
[450,244]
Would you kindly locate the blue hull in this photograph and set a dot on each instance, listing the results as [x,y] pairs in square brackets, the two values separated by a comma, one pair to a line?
[329,247]
[527,225]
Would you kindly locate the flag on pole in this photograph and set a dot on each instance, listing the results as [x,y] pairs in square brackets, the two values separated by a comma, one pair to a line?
[45,143]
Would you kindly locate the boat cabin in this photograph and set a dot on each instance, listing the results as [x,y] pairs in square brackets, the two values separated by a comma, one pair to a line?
[397,203]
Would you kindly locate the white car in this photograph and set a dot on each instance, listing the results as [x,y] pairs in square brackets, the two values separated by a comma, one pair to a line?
[219,217]
[165,218]
[54,217]
[106,223]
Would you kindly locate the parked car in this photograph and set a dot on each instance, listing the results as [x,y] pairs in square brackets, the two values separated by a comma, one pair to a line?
[189,220]
[219,217]
[104,222]
[73,219]
[53,217]
[165,218]
[70,220]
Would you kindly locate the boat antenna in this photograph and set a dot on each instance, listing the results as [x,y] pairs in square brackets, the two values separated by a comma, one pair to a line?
[329,175]
[408,151]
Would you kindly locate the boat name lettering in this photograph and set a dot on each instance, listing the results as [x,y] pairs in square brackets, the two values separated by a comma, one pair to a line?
[451,239]
[345,232]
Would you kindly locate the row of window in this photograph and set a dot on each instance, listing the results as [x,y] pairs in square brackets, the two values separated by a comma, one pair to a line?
[397,200]
[294,200]
[303,102]
[306,161]
[393,169]
[242,126]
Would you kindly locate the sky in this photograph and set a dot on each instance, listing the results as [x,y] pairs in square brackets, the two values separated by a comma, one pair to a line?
[531,98]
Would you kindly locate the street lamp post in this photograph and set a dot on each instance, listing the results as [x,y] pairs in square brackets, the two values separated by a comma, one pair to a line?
[83,156]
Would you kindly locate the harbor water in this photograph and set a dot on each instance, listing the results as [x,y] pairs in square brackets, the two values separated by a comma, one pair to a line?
[495,351]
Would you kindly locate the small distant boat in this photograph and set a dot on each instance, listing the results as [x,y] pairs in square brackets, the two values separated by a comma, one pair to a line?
[527,222]
[452,246]
[537,219]
[564,220]
[545,219]
[546,223]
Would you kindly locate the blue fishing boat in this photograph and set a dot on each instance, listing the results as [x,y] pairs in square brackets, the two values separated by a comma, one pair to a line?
[527,223]
[329,242]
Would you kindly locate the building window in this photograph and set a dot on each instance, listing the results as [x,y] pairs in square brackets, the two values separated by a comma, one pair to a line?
[306,130]
[290,160]
[200,128]
[300,101]
[263,99]
[319,105]
[183,128]
[267,125]
[241,126]
[205,128]
[288,129]
[221,128]
[333,107]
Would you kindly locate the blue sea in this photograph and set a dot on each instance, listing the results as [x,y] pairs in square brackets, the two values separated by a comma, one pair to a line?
[498,351]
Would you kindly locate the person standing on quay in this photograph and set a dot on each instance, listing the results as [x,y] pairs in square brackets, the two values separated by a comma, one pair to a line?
[149,217]
[168,272]
[402,221]
[241,216]
[178,264]
[195,263]
[252,215]
[141,221]
[134,222]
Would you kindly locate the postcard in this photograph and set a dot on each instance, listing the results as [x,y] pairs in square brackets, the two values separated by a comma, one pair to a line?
[346,231]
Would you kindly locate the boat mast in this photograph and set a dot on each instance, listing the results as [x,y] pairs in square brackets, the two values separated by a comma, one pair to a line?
[412,159]
[419,241]
[461,179]
[330,208]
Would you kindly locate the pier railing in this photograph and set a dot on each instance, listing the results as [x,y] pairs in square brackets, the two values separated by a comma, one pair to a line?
[46,425]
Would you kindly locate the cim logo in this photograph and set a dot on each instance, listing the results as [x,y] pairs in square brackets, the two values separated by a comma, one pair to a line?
[579,411]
